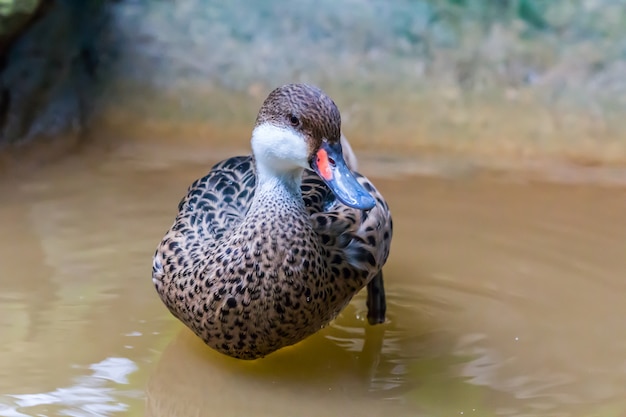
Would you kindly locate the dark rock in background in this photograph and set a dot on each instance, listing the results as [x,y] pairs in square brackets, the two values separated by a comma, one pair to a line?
[48,73]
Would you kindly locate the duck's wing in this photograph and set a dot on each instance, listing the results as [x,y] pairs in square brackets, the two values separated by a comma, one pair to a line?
[362,238]
[218,201]
[213,205]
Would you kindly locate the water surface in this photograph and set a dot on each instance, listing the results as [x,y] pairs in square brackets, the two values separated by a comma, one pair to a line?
[506,297]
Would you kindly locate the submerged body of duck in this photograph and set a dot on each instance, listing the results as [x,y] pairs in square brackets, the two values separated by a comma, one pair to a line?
[265,251]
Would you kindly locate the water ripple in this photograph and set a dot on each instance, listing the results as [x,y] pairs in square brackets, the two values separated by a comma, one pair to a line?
[90,395]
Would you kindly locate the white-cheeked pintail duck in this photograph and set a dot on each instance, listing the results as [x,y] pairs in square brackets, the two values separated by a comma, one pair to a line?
[267,249]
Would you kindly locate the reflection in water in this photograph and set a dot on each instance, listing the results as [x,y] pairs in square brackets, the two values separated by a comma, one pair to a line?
[348,367]
[504,299]
[16,274]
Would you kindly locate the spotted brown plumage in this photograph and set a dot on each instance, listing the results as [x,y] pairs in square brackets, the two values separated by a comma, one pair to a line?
[263,253]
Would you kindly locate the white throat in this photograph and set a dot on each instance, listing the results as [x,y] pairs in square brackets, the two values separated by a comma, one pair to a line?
[281,153]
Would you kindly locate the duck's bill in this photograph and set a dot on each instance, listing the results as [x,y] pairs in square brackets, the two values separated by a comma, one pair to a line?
[331,167]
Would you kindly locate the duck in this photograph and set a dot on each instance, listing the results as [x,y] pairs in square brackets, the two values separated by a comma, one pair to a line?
[267,249]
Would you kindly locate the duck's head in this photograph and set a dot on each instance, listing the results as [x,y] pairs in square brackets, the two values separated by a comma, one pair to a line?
[299,127]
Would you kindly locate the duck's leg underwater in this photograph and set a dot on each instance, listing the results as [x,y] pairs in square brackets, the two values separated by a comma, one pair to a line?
[376,303]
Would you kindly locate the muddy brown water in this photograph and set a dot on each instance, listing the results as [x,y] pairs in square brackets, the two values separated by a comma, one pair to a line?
[506,297]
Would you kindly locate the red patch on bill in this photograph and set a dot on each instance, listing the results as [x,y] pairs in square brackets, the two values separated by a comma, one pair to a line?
[323,165]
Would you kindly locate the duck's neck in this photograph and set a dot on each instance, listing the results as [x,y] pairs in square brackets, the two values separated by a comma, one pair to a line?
[277,217]
[281,189]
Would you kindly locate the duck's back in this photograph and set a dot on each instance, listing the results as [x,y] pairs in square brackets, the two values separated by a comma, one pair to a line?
[218,201]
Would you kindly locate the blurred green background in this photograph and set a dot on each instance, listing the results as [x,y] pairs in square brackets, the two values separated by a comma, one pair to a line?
[487,78]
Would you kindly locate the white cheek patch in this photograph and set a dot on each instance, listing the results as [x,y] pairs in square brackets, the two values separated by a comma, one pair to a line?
[279,147]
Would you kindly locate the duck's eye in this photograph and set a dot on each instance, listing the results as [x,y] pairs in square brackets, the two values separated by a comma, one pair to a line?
[294,120]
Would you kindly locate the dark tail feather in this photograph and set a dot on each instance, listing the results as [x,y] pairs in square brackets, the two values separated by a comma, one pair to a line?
[376,302]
